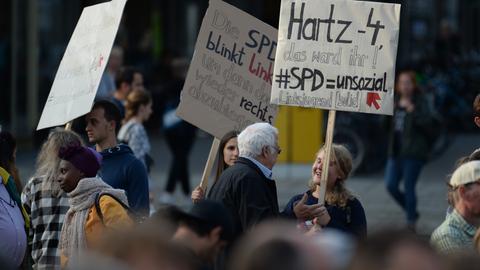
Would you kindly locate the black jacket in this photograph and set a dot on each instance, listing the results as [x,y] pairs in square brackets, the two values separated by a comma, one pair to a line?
[419,132]
[247,193]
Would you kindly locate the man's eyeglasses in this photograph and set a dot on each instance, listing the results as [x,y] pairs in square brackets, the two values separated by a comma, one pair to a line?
[278,149]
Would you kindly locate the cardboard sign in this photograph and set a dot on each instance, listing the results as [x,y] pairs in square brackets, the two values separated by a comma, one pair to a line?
[337,55]
[82,65]
[230,76]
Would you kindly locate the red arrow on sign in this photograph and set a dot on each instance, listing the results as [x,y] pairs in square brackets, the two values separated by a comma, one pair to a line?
[372,99]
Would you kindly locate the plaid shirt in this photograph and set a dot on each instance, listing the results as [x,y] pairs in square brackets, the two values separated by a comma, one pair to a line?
[47,213]
[453,235]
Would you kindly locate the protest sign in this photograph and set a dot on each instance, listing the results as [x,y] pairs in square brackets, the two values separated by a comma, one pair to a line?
[229,80]
[82,65]
[337,55]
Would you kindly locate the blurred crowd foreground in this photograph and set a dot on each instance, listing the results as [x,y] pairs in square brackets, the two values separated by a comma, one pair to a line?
[271,245]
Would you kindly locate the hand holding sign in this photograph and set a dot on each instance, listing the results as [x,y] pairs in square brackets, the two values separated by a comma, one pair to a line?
[336,55]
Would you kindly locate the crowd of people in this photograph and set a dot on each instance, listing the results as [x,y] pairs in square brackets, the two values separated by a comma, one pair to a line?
[87,205]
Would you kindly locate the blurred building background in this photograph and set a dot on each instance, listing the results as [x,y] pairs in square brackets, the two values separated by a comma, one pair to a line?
[439,38]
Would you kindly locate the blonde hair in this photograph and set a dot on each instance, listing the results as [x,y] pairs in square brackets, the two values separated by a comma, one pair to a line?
[48,162]
[339,194]
[135,99]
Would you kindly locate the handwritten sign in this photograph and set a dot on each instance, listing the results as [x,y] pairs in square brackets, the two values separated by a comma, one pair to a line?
[337,55]
[229,80]
[82,65]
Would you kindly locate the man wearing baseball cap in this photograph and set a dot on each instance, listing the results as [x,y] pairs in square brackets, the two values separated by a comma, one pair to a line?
[205,229]
[456,233]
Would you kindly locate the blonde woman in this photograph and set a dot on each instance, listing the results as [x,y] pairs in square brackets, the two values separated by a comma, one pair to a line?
[341,210]
[45,201]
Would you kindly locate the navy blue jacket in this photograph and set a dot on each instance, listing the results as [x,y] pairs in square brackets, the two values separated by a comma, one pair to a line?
[121,169]
[350,219]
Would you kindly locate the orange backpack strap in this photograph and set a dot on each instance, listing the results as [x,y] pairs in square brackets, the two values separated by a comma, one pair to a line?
[99,209]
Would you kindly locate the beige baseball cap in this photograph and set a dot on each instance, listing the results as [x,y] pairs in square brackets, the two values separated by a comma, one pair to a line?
[465,174]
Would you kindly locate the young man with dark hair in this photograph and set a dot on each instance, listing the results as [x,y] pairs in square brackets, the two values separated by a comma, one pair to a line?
[127,80]
[476,110]
[205,229]
[120,168]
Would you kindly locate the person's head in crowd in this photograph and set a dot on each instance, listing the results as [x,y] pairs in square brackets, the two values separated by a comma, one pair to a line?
[8,155]
[395,250]
[77,162]
[278,246]
[206,229]
[228,152]
[138,105]
[406,85]
[127,80]
[103,123]
[337,245]
[48,162]
[476,110]
[260,142]
[227,155]
[475,155]
[169,214]
[465,185]
[115,62]
[146,247]
[339,170]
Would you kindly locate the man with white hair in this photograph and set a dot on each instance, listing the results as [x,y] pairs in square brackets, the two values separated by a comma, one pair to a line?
[456,233]
[247,188]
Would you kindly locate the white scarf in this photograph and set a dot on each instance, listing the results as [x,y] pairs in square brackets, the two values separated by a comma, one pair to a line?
[81,199]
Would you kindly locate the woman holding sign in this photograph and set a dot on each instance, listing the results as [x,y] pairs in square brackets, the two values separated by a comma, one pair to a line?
[412,131]
[341,210]
[227,155]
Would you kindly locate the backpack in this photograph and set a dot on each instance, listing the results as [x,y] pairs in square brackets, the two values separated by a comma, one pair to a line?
[135,217]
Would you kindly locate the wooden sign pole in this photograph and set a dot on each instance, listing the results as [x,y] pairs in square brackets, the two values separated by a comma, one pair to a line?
[68,126]
[326,156]
[208,167]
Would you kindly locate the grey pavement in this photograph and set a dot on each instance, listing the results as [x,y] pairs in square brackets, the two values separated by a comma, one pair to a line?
[292,179]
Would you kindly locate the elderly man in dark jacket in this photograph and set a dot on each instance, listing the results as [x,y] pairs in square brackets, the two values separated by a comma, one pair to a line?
[247,188]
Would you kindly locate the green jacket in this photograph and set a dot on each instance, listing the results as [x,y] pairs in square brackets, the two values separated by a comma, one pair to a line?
[418,134]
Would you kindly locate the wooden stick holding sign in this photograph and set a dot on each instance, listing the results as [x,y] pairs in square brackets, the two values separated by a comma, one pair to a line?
[326,156]
[209,165]
[68,126]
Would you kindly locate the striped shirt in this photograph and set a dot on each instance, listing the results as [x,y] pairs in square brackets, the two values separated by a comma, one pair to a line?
[47,213]
[453,235]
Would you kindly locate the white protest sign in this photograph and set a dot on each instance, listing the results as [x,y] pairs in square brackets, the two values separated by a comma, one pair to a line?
[337,55]
[82,65]
[229,80]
